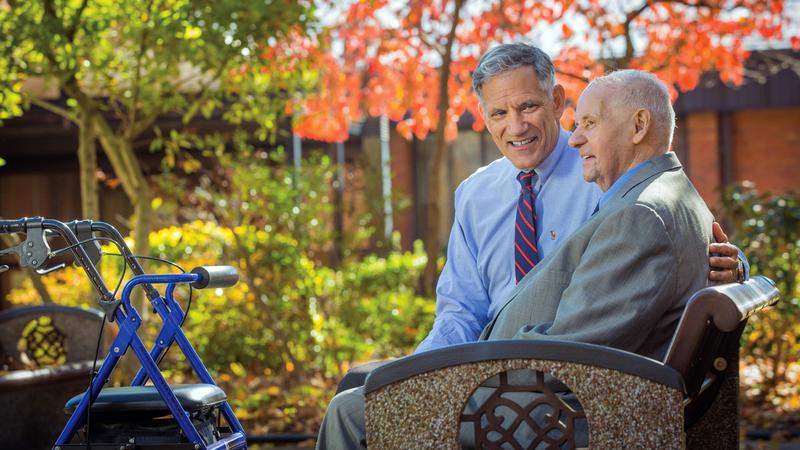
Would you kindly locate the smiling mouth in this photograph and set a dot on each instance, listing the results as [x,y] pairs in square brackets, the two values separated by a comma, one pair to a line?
[522,142]
[587,157]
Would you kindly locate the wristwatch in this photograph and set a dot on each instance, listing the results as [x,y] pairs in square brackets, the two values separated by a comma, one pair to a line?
[739,271]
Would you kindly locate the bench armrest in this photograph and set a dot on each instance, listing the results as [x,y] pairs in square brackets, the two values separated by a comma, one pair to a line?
[34,378]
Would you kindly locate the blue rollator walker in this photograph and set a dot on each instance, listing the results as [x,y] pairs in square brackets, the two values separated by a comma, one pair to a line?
[139,416]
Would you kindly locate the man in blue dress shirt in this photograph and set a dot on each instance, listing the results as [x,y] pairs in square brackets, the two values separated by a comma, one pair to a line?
[522,106]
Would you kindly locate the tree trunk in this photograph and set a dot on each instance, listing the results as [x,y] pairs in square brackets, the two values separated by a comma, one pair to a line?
[128,170]
[433,242]
[433,226]
[87,160]
[142,220]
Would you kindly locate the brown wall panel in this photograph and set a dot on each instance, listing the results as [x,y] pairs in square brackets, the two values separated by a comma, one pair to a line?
[766,148]
[703,153]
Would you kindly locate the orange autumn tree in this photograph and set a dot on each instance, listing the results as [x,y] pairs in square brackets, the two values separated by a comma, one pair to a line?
[412,61]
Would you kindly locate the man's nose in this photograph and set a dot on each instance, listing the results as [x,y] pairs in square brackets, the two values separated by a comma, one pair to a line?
[576,140]
[517,125]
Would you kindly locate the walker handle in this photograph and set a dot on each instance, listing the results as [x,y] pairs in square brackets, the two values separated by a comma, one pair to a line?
[215,277]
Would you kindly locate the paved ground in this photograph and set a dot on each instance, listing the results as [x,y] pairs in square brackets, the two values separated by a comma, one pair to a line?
[750,445]
[767,445]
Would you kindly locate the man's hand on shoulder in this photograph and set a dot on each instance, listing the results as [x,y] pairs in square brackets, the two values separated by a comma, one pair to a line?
[725,265]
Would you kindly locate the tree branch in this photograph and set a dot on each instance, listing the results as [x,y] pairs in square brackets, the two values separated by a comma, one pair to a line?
[572,75]
[133,108]
[699,4]
[632,15]
[50,9]
[54,109]
[627,31]
[73,28]
[143,124]
[435,46]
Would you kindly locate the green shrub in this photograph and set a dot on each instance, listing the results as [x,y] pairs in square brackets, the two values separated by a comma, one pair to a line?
[767,228]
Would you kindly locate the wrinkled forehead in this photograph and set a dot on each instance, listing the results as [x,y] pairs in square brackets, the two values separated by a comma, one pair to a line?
[595,100]
[512,87]
[515,82]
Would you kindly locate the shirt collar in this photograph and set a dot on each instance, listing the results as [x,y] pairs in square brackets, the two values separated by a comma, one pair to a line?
[617,185]
[549,164]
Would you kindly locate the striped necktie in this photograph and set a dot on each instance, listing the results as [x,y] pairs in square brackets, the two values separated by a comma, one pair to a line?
[526,255]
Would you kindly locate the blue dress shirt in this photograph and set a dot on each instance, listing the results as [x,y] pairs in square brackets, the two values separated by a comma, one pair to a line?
[478,274]
[617,185]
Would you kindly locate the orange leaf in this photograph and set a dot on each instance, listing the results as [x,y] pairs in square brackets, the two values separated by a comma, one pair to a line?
[566,30]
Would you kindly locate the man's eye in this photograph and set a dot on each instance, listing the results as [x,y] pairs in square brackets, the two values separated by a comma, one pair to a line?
[528,108]
[498,113]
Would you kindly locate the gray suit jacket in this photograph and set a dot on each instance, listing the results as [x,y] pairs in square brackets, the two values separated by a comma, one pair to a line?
[622,279]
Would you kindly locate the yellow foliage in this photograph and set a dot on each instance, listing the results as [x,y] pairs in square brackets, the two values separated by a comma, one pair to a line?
[238,369]
[274,391]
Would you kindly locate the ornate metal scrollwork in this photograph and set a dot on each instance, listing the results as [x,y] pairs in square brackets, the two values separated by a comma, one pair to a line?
[42,344]
[523,414]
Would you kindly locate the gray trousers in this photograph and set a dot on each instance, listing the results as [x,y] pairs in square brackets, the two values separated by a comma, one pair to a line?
[343,426]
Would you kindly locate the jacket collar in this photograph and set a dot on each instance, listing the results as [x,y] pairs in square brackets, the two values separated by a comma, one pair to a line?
[653,167]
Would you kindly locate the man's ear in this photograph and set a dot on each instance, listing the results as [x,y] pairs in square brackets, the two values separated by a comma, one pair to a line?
[559,99]
[641,125]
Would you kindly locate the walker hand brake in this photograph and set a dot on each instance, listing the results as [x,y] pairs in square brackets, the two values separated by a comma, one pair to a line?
[34,251]
[51,269]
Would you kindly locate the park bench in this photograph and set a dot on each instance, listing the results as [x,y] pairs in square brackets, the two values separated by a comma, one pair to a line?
[688,400]
[49,350]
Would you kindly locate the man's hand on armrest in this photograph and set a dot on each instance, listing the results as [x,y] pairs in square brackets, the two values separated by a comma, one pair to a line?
[724,262]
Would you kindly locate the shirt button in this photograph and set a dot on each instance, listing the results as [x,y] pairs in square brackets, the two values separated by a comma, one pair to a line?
[552,235]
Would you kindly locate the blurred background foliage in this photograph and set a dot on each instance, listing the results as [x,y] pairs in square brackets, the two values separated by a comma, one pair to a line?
[300,316]
[767,228]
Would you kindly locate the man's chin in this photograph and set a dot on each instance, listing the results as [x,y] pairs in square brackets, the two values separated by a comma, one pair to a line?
[526,163]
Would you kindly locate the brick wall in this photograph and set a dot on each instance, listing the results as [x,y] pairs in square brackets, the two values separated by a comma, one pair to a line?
[766,148]
[702,149]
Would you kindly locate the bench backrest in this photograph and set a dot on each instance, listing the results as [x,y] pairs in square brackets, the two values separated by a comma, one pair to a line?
[79,328]
[706,342]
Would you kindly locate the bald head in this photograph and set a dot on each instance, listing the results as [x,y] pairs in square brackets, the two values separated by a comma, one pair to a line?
[635,89]
[622,120]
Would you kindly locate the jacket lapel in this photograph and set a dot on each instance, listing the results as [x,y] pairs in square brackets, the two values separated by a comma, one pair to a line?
[656,166]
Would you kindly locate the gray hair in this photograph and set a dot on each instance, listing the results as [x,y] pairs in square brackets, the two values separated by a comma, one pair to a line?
[506,57]
[640,89]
